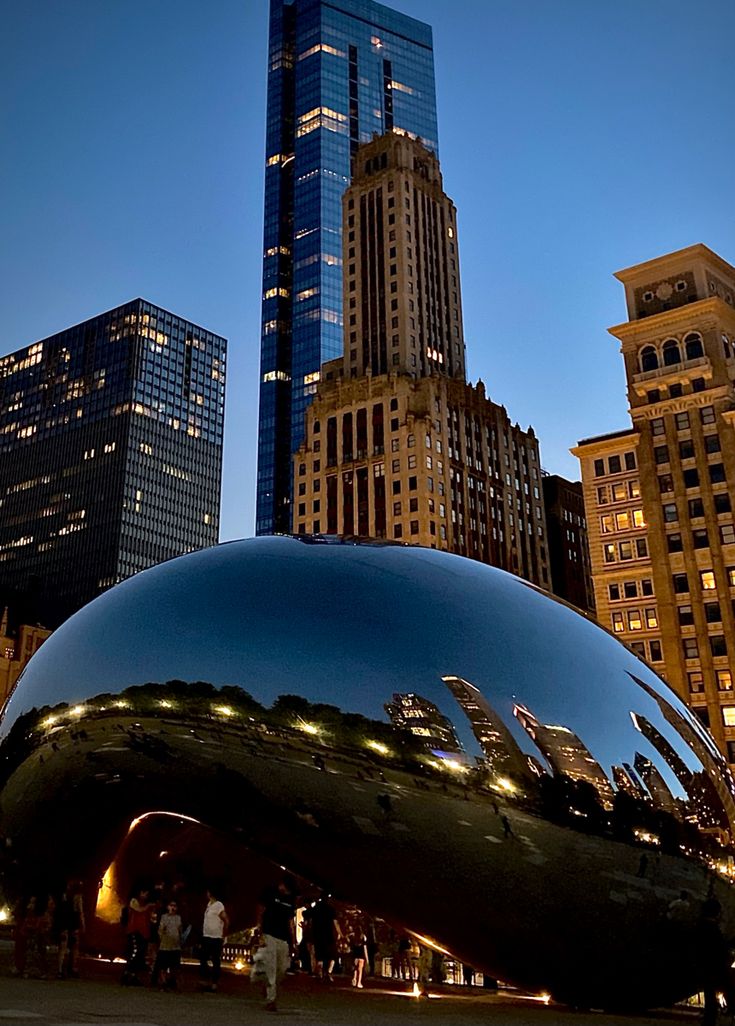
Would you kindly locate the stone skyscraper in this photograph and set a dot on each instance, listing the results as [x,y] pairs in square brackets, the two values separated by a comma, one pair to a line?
[398,445]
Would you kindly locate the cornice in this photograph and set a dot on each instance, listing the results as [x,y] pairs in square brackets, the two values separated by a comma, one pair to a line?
[673,261]
[687,317]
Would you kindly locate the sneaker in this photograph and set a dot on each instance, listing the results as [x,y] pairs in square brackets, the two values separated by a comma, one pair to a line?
[360,986]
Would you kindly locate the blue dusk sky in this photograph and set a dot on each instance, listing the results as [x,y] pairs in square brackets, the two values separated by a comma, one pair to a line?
[576,138]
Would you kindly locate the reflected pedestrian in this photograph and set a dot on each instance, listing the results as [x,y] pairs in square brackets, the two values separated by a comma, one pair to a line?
[213,932]
[358,949]
[278,908]
[714,957]
[168,956]
[69,925]
[137,922]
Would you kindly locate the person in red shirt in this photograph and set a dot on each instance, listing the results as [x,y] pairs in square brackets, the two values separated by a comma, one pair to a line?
[138,920]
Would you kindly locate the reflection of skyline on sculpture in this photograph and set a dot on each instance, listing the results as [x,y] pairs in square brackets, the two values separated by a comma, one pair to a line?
[290,729]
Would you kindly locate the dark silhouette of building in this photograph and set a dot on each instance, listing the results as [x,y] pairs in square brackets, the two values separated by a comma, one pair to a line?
[569,554]
[110,456]
[339,71]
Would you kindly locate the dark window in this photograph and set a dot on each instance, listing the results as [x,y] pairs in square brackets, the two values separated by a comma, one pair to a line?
[696,508]
[641,547]
[599,468]
[654,395]
[394,424]
[649,359]
[722,502]
[670,513]
[614,592]
[691,478]
[712,443]
[712,612]
[675,391]
[629,589]
[693,346]
[702,715]
[700,539]
[661,453]
[412,484]
[398,531]
[646,587]
[656,655]
[666,483]
[674,543]
[686,616]
[718,645]
[614,465]
[414,527]
[630,461]
[716,473]
[686,449]
[698,385]
[671,353]
[681,584]
[396,487]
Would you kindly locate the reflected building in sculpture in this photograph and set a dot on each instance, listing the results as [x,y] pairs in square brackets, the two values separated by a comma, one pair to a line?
[242,712]
[110,455]
[566,753]
[424,721]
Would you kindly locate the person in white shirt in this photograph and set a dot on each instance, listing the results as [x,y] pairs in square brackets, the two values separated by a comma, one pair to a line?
[213,932]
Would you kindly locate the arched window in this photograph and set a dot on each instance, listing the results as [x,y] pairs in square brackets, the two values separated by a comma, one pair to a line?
[671,352]
[693,346]
[649,359]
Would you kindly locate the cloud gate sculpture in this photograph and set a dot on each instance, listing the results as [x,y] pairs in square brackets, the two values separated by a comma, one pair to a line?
[425,736]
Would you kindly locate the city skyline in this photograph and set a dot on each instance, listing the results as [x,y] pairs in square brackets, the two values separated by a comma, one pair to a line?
[585,166]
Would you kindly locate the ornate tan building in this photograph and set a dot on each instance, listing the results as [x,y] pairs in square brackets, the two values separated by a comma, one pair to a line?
[16,648]
[397,444]
[679,351]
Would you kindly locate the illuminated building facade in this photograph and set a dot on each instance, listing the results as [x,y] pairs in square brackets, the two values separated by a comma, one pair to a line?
[110,455]
[569,552]
[339,72]
[679,351]
[16,648]
[622,572]
[397,444]
[423,719]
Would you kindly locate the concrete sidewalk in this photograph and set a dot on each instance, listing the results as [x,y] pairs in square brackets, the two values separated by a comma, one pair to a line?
[98,999]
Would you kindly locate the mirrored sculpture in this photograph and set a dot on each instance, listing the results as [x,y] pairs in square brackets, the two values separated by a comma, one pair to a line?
[430,738]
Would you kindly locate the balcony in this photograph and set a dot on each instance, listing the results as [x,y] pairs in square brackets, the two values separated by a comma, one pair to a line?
[645,381]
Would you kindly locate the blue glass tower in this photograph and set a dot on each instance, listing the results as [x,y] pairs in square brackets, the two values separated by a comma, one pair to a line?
[339,72]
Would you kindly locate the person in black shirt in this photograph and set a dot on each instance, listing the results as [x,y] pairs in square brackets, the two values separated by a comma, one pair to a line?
[278,908]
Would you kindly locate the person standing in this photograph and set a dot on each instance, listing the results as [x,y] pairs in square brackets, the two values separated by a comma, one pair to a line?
[358,949]
[138,916]
[278,908]
[168,956]
[69,926]
[214,928]
[326,933]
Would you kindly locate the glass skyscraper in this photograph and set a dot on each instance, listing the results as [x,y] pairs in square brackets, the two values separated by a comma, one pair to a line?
[339,72]
[110,455]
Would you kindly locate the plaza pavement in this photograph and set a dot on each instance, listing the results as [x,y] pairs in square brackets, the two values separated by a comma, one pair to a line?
[98,999]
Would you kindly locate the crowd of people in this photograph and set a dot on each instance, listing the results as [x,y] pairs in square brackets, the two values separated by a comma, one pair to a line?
[46,919]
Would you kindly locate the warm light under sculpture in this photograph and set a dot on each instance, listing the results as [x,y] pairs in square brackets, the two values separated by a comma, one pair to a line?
[427,737]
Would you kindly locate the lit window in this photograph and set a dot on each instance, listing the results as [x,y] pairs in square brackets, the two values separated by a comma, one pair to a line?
[724,680]
[707,580]
[728,715]
[618,624]
[634,620]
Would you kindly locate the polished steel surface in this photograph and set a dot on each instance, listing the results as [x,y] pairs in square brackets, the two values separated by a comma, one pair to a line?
[428,737]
